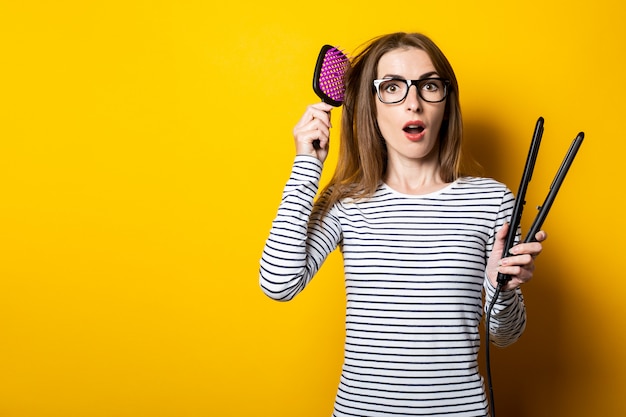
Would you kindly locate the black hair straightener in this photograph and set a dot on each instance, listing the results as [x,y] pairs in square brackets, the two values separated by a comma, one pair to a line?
[516,217]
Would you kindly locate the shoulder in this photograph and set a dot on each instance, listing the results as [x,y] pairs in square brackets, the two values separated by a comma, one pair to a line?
[483,190]
[484,184]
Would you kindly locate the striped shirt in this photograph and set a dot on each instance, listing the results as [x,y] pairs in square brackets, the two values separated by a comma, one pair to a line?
[415,277]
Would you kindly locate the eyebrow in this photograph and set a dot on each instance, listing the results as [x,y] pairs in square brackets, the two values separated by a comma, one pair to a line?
[423,76]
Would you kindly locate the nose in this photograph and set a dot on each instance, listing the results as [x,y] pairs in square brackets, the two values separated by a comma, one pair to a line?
[412,100]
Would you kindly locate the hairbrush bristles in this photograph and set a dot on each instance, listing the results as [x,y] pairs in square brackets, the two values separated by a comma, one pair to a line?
[328,79]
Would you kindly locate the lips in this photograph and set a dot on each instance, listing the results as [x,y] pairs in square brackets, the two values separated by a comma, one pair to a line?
[414,130]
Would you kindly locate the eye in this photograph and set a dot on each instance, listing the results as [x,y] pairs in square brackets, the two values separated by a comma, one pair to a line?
[431,85]
[392,86]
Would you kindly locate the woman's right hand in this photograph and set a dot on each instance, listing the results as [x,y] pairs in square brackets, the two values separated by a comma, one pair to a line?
[312,132]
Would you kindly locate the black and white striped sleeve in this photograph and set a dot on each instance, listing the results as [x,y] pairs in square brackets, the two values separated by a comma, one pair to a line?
[508,317]
[297,247]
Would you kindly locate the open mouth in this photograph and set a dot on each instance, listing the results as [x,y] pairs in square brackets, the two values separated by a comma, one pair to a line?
[413,129]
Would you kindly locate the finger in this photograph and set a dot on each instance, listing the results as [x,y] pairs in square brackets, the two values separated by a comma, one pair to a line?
[313,124]
[518,273]
[315,130]
[312,135]
[499,242]
[541,235]
[308,142]
[531,248]
[325,107]
[319,111]
[517,260]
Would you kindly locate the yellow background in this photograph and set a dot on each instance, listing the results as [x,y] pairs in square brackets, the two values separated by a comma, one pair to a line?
[143,149]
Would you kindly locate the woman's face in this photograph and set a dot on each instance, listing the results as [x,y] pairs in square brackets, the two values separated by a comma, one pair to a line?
[411,127]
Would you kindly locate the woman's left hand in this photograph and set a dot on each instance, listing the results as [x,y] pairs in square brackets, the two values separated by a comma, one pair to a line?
[519,265]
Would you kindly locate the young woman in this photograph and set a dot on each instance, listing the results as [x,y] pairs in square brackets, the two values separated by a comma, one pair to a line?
[421,241]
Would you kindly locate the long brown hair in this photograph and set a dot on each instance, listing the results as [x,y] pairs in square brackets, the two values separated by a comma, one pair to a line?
[362,161]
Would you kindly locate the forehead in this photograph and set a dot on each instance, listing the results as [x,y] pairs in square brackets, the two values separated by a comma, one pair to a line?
[407,62]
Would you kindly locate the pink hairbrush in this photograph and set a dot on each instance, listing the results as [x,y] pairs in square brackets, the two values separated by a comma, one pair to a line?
[328,79]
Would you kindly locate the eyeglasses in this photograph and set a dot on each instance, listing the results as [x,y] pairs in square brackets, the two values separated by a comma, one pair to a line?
[395,90]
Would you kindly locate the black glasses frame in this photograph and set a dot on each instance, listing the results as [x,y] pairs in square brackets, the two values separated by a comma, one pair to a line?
[409,83]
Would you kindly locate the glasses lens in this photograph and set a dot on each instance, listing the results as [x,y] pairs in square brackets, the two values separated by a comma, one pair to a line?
[392,91]
[433,90]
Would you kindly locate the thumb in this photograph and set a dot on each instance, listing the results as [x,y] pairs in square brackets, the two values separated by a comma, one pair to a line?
[500,241]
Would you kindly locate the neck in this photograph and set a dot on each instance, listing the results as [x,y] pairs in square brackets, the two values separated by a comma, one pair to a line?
[421,178]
